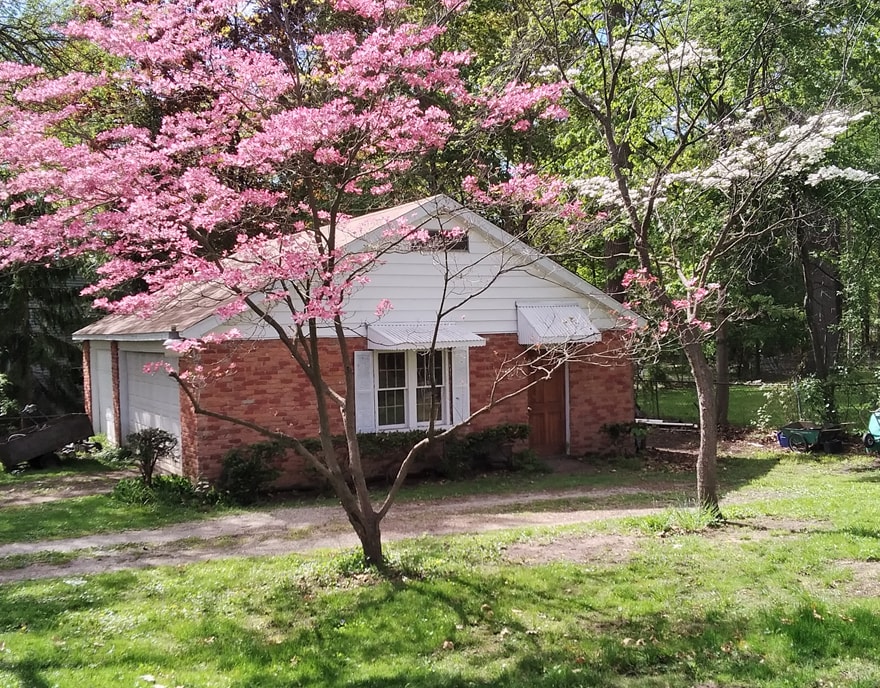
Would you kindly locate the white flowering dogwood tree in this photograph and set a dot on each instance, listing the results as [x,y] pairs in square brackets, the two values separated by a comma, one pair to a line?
[694,167]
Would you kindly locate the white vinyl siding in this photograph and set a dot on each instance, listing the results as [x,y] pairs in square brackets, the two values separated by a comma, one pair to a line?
[489,281]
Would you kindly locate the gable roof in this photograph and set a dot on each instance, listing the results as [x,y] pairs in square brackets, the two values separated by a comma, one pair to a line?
[182,310]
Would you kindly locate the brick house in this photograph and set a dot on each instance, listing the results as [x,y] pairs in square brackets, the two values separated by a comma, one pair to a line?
[511,299]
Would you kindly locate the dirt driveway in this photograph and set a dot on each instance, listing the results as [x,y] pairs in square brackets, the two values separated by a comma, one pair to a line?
[305,529]
[300,530]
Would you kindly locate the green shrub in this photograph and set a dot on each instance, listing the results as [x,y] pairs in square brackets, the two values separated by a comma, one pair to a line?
[133,491]
[482,450]
[798,399]
[171,490]
[8,404]
[108,453]
[175,489]
[527,461]
[248,471]
[148,447]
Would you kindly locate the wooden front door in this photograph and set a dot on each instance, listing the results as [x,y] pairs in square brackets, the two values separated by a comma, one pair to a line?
[547,415]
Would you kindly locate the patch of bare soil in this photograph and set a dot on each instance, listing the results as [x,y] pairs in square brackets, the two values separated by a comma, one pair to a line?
[684,443]
[865,578]
[53,488]
[581,549]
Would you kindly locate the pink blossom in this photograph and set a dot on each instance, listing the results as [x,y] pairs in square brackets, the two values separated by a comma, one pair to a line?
[199,205]
[154,367]
[383,307]
[381,189]
[640,277]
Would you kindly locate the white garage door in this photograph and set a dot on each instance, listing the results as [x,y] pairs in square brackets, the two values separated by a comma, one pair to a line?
[102,393]
[150,400]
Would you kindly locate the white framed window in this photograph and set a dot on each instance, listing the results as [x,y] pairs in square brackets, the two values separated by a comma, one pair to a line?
[394,390]
[410,386]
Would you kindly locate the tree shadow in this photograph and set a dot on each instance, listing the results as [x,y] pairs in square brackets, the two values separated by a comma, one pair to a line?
[736,473]
[445,629]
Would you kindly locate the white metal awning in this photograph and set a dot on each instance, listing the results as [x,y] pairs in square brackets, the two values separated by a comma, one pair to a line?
[420,336]
[559,324]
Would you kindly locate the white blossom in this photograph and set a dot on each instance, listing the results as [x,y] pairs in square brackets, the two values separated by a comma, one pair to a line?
[792,151]
[689,54]
[685,55]
[850,174]
[603,190]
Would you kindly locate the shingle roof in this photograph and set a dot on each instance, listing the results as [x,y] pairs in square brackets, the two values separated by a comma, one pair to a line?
[180,310]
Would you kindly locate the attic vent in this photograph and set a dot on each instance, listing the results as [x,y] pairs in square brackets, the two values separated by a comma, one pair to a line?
[444,241]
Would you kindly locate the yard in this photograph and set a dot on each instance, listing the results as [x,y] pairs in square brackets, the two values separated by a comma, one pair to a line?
[784,594]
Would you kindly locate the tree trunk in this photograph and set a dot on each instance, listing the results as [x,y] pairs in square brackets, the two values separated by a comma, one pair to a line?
[722,371]
[707,469]
[615,252]
[823,309]
[367,527]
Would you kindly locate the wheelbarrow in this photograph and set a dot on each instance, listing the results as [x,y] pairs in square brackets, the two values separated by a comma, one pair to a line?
[871,439]
[804,436]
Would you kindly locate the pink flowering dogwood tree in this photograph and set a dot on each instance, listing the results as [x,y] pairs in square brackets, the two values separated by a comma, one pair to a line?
[227,143]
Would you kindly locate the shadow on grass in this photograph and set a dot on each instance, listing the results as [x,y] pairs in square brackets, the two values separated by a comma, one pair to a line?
[647,650]
[542,627]
[66,467]
[737,473]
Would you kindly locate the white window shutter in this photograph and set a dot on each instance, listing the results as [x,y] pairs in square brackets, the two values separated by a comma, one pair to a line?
[364,392]
[461,387]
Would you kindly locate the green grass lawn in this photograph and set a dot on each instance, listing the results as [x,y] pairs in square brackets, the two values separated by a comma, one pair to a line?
[63,469]
[680,404]
[79,516]
[789,597]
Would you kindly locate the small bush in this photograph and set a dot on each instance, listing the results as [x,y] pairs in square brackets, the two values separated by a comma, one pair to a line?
[248,471]
[133,491]
[175,489]
[170,490]
[528,461]
[109,454]
[148,447]
[482,450]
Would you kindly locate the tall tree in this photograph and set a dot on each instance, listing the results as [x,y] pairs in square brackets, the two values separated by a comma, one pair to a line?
[695,159]
[272,123]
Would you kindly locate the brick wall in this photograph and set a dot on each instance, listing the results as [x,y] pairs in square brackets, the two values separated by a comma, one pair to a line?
[268,388]
[189,445]
[600,393]
[487,365]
